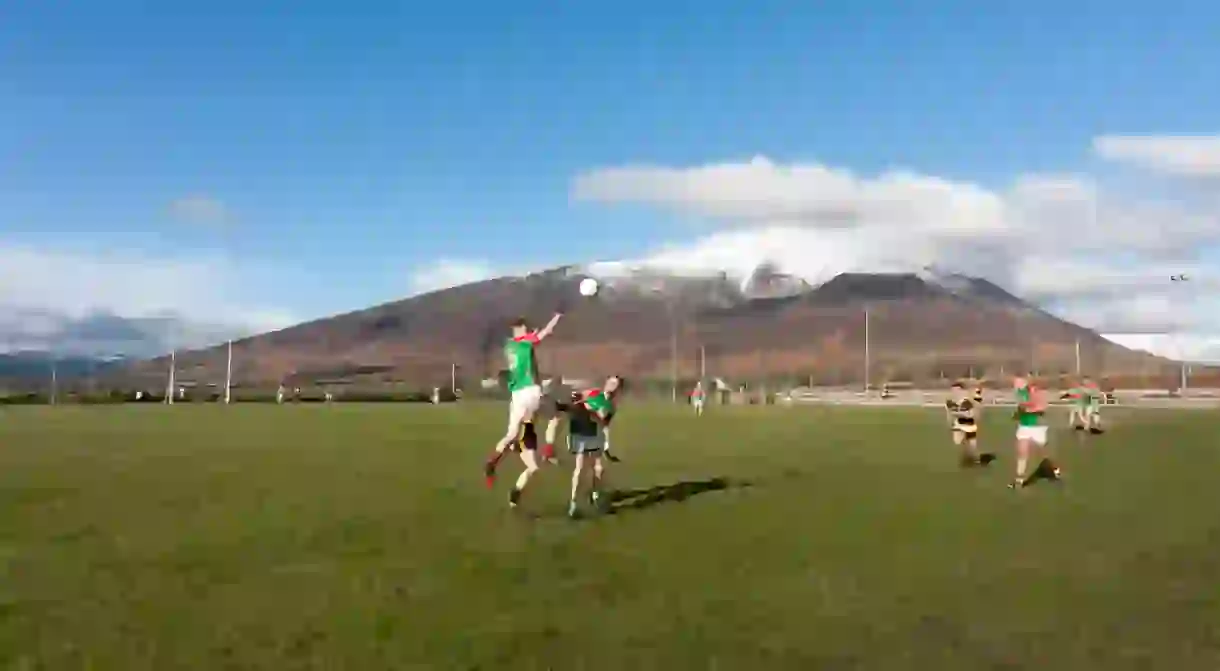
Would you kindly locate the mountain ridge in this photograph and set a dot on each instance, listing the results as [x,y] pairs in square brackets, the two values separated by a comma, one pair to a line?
[764,324]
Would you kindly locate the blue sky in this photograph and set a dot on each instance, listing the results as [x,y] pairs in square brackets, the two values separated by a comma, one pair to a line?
[370,139]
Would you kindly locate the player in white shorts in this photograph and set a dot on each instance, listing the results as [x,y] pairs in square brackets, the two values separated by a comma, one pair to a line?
[525,386]
[1031,430]
[697,398]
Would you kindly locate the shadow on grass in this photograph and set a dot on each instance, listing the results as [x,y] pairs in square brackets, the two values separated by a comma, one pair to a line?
[640,499]
[1044,471]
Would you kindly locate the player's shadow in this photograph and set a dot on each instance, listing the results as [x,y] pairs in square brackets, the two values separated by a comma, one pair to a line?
[1045,472]
[647,497]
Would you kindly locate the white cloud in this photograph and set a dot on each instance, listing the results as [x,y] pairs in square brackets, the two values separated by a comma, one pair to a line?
[1184,155]
[445,273]
[200,210]
[807,196]
[1197,349]
[1099,257]
[47,294]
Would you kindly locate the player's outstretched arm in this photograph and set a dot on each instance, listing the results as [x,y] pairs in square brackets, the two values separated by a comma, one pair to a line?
[545,331]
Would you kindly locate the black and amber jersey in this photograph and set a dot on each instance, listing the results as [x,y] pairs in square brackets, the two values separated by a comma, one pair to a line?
[962,411]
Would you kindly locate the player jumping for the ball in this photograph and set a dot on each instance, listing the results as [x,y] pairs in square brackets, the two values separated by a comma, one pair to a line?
[524,383]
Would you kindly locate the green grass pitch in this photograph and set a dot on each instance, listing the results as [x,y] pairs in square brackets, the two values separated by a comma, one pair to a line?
[362,537]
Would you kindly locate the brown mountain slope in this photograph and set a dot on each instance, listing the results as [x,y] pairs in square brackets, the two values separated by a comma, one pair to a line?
[916,328]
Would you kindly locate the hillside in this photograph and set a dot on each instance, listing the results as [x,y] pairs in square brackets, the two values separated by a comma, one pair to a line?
[919,326]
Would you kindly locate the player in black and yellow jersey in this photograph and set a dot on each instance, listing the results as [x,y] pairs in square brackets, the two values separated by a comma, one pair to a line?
[962,410]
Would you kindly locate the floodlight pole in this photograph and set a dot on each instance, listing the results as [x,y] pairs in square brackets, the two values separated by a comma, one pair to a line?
[673,358]
[169,389]
[229,374]
[54,379]
[867,353]
[453,378]
[1182,356]
[1078,357]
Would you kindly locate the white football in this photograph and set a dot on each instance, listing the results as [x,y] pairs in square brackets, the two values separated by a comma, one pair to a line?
[588,287]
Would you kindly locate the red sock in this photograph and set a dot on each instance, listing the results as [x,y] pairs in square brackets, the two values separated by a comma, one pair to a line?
[548,451]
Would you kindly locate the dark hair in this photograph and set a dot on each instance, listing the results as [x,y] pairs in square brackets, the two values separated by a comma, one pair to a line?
[519,322]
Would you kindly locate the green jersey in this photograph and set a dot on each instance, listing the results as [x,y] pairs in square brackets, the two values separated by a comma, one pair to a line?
[522,364]
[598,402]
[1085,397]
[1081,396]
[1025,417]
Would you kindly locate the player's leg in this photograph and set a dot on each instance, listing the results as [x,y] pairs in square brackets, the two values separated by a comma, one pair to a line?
[981,458]
[1039,439]
[970,445]
[606,444]
[578,473]
[959,441]
[1024,448]
[552,432]
[516,424]
[521,409]
[529,459]
[598,480]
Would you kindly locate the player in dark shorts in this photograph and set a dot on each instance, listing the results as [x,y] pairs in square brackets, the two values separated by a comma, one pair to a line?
[962,411]
[589,414]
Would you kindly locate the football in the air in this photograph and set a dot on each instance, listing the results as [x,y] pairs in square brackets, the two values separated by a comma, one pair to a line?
[588,287]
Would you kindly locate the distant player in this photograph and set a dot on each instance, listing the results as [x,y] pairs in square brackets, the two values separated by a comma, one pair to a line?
[1086,407]
[1031,429]
[589,417]
[525,385]
[963,415]
[697,398]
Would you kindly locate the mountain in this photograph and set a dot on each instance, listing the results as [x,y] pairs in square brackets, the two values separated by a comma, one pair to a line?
[36,367]
[917,325]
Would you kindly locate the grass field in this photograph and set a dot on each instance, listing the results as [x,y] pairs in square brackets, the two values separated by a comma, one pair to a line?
[361,537]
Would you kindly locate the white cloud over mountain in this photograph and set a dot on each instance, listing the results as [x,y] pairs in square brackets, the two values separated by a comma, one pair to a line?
[445,273]
[1101,257]
[95,302]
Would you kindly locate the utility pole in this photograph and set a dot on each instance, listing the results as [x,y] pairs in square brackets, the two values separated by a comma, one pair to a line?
[54,379]
[453,378]
[1078,357]
[702,363]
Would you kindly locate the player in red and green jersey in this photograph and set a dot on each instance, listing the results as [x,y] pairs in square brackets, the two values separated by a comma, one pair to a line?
[697,398]
[1031,429]
[525,386]
[1086,407]
[589,417]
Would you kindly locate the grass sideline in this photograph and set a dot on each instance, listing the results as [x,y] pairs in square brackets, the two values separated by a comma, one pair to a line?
[361,537]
